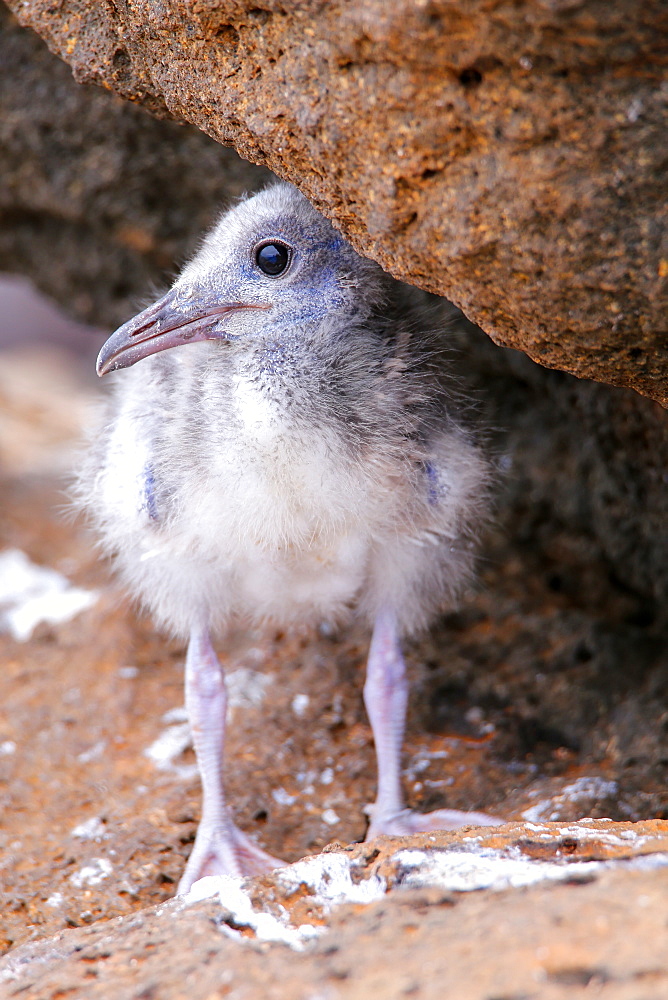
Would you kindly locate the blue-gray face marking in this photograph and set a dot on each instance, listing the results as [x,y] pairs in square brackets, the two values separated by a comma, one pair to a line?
[310,286]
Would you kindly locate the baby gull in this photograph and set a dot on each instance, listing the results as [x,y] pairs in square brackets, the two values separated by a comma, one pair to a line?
[303,455]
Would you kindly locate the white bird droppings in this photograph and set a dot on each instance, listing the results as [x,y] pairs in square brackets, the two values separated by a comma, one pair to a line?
[591,787]
[462,871]
[128,673]
[92,874]
[93,753]
[30,594]
[329,876]
[267,927]
[299,704]
[169,745]
[582,790]
[246,688]
[334,877]
[90,829]
[282,798]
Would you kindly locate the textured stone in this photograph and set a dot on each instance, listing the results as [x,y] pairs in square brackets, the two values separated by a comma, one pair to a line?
[510,156]
[603,935]
[98,200]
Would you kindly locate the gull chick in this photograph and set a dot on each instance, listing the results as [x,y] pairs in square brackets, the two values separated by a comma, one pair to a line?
[289,449]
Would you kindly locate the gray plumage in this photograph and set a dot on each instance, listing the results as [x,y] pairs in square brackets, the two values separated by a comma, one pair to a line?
[301,457]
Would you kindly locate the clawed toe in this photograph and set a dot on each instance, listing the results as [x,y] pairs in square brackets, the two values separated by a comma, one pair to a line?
[225,850]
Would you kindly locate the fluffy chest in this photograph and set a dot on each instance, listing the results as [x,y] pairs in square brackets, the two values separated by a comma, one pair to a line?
[269,490]
[280,508]
[277,480]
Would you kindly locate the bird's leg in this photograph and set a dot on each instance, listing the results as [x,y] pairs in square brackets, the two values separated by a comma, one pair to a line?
[221,848]
[386,697]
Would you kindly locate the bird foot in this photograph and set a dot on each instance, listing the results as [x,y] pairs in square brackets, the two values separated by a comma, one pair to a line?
[408,821]
[223,849]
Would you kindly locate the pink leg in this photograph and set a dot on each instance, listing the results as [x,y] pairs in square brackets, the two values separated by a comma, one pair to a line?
[385,697]
[221,848]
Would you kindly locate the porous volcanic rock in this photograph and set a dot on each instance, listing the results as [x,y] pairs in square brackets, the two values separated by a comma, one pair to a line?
[599,932]
[510,156]
[98,200]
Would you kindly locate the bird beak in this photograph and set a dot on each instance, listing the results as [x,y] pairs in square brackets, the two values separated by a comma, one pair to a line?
[182,316]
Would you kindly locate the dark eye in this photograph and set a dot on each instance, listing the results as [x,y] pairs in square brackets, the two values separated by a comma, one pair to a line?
[272,258]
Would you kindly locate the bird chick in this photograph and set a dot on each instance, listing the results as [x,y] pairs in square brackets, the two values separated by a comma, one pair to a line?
[303,459]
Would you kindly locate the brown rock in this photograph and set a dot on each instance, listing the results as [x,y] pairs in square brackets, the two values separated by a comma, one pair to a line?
[604,934]
[98,200]
[510,157]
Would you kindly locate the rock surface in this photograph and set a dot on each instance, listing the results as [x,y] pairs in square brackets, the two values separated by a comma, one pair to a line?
[98,201]
[604,934]
[508,156]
